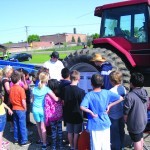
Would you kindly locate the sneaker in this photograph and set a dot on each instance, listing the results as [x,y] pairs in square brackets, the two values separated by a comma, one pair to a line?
[30,133]
[39,142]
[16,142]
[26,144]
[11,129]
[44,147]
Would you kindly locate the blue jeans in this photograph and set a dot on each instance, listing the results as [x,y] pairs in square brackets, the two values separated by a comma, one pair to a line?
[2,122]
[117,133]
[20,130]
[56,130]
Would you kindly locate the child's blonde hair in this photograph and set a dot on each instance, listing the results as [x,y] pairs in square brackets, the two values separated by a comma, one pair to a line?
[43,78]
[74,75]
[6,70]
[115,77]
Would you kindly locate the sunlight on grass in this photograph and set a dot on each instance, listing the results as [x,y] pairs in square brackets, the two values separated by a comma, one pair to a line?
[41,58]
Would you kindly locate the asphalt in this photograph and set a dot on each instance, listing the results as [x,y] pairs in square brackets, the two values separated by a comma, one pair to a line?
[9,137]
[34,137]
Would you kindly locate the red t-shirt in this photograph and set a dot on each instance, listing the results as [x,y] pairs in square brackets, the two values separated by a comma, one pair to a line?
[17,94]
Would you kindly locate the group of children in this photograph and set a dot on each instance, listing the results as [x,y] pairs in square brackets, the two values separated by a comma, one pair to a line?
[56,101]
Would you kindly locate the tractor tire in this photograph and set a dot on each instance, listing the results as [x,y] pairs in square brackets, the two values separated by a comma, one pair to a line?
[80,60]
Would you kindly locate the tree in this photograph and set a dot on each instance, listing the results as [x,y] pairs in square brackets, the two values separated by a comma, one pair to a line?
[33,37]
[79,40]
[8,42]
[73,39]
[95,36]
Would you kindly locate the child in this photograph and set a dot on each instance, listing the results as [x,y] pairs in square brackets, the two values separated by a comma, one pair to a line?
[135,110]
[36,77]
[3,121]
[1,76]
[116,113]
[3,115]
[53,115]
[96,103]
[39,93]
[72,113]
[25,86]
[28,95]
[65,73]
[18,100]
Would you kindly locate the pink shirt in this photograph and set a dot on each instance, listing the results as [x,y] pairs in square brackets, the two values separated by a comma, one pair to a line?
[20,83]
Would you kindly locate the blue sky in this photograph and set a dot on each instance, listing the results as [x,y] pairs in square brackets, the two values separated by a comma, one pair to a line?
[46,17]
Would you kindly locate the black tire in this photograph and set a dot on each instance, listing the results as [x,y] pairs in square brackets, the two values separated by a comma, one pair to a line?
[80,60]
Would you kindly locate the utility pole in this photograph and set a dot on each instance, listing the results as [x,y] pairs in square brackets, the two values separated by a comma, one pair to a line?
[58,40]
[26,29]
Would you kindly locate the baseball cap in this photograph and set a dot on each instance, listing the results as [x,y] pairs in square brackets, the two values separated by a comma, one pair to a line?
[55,54]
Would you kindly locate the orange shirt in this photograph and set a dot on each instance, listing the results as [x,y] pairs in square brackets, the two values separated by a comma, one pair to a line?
[17,94]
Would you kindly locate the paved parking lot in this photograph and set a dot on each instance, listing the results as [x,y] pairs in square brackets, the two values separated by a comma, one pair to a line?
[9,137]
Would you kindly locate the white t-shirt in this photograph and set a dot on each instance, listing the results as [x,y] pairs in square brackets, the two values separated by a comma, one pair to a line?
[54,69]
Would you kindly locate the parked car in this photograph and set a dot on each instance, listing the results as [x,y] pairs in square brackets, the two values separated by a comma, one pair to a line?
[20,57]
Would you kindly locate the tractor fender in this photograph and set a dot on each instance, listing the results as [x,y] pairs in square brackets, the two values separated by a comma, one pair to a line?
[115,43]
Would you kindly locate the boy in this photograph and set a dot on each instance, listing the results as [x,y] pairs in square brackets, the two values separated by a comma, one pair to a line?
[72,113]
[65,73]
[135,110]
[96,104]
[116,113]
[18,100]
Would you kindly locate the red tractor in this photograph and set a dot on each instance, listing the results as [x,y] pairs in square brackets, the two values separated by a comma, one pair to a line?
[124,40]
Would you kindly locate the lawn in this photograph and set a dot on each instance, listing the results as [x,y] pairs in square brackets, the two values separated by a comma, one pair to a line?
[39,58]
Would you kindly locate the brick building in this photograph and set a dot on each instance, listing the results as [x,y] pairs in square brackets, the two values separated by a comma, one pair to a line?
[63,38]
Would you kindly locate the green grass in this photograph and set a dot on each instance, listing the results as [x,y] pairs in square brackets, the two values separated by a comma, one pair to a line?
[38,58]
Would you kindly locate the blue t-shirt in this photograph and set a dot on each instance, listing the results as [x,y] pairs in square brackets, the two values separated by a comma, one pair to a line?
[116,111]
[39,95]
[97,102]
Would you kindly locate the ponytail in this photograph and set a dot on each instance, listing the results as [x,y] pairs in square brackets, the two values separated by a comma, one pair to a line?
[43,78]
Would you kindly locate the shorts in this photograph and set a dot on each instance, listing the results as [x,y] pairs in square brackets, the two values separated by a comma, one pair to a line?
[136,137]
[38,114]
[74,128]
[2,122]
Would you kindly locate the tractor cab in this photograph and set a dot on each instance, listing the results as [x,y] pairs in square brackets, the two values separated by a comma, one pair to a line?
[128,21]
[125,28]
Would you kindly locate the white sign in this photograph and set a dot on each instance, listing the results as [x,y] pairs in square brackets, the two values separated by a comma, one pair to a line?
[85,81]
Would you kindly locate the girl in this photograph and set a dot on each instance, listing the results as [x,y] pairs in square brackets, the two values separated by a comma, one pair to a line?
[53,114]
[3,121]
[39,93]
